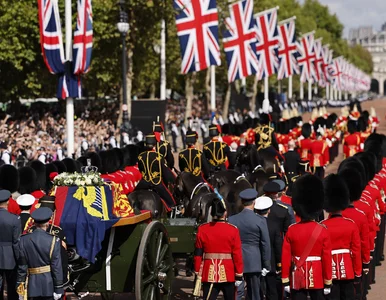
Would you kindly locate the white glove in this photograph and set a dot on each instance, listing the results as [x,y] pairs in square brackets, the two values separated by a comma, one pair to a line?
[57,296]
[21,297]
[287,289]
[264,272]
[238,283]
[327,291]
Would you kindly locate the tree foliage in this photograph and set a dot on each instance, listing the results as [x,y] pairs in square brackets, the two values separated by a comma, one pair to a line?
[24,75]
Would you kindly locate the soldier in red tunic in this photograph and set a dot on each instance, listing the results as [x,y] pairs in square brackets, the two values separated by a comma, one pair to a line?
[218,256]
[320,154]
[344,233]
[351,142]
[306,254]
[305,142]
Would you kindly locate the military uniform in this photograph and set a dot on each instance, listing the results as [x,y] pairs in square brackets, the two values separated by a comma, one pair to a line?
[154,173]
[193,161]
[9,248]
[40,261]
[291,165]
[351,145]
[320,157]
[25,202]
[218,257]
[217,153]
[304,149]
[164,148]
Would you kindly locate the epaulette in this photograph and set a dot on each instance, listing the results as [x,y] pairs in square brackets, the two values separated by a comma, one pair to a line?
[348,219]
[282,205]
[360,210]
[231,225]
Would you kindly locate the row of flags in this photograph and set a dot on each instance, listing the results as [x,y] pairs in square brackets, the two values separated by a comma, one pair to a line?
[259,45]
[51,40]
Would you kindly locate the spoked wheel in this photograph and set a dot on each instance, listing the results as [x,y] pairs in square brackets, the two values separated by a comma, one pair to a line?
[154,271]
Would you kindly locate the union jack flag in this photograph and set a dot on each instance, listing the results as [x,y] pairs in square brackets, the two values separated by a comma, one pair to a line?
[318,61]
[287,53]
[240,40]
[83,36]
[327,60]
[267,42]
[336,73]
[307,56]
[197,29]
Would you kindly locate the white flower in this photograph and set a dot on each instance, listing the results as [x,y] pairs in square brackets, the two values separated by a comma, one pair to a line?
[88,181]
[77,182]
[95,180]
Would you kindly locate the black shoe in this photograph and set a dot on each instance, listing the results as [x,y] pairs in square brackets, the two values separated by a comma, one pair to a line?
[382,258]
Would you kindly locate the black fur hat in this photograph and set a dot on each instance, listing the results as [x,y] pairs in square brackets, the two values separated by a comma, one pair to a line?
[121,159]
[28,178]
[336,193]
[226,129]
[308,197]
[362,124]
[82,160]
[60,166]
[353,181]
[356,164]
[375,146]
[50,168]
[369,160]
[264,119]
[132,152]
[70,165]
[40,170]
[95,160]
[110,162]
[9,178]
[306,130]
[352,126]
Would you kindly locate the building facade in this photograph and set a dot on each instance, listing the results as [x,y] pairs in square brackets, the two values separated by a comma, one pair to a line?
[375,43]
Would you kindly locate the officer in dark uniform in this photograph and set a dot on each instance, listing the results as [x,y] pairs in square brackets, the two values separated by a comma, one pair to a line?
[216,151]
[9,246]
[278,212]
[25,202]
[40,260]
[273,289]
[163,146]
[191,159]
[291,163]
[265,136]
[155,173]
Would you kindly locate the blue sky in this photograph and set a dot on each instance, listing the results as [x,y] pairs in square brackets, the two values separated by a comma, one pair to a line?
[355,13]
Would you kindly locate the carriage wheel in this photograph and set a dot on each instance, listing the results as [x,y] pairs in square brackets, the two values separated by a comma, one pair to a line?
[154,271]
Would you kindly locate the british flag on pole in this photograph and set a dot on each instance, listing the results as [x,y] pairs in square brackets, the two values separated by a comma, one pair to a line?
[327,60]
[318,62]
[239,41]
[197,29]
[287,51]
[267,42]
[336,73]
[307,57]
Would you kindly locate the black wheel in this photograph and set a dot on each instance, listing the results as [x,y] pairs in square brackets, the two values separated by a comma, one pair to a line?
[154,271]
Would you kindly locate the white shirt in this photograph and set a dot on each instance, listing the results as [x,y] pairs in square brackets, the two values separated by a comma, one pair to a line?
[59,153]
[42,157]
[6,157]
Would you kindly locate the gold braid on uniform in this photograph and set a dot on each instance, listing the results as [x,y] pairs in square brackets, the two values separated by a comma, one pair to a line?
[152,175]
[217,157]
[265,138]
[193,167]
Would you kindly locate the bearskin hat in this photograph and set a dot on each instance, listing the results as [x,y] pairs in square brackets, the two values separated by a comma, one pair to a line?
[369,160]
[308,197]
[306,130]
[319,122]
[79,166]
[374,145]
[353,181]
[9,178]
[120,156]
[40,170]
[362,124]
[365,115]
[226,129]
[60,166]
[336,193]
[265,119]
[133,152]
[356,164]
[50,168]
[352,126]
[110,162]
[95,160]
[70,165]
[28,178]
[82,160]
[383,145]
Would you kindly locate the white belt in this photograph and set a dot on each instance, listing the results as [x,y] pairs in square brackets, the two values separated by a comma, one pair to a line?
[310,258]
[340,251]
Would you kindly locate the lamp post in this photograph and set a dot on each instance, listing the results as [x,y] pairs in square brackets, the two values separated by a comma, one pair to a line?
[123,27]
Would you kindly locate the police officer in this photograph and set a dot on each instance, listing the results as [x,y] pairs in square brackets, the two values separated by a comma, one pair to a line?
[155,173]
[40,260]
[273,288]
[255,243]
[163,146]
[216,151]
[25,202]
[191,159]
[218,258]
[9,246]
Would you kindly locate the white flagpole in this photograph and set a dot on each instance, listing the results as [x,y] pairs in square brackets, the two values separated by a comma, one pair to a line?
[345,95]
[266,87]
[340,95]
[163,61]
[69,100]
[309,90]
[290,87]
[327,91]
[301,95]
[316,89]
[213,88]
[332,93]
[336,94]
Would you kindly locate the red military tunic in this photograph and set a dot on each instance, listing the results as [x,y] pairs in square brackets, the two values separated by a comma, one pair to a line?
[320,155]
[360,219]
[296,133]
[366,208]
[317,267]
[218,247]
[346,248]
[351,145]
[304,149]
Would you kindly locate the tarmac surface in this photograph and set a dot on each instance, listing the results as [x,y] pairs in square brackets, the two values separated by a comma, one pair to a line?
[183,286]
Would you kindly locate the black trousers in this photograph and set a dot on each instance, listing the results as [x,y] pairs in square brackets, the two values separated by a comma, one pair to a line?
[319,172]
[273,289]
[342,290]
[41,298]
[302,294]
[10,277]
[212,290]
[252,281]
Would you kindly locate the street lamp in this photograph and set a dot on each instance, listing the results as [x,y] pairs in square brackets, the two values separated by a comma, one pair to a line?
[123,27]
